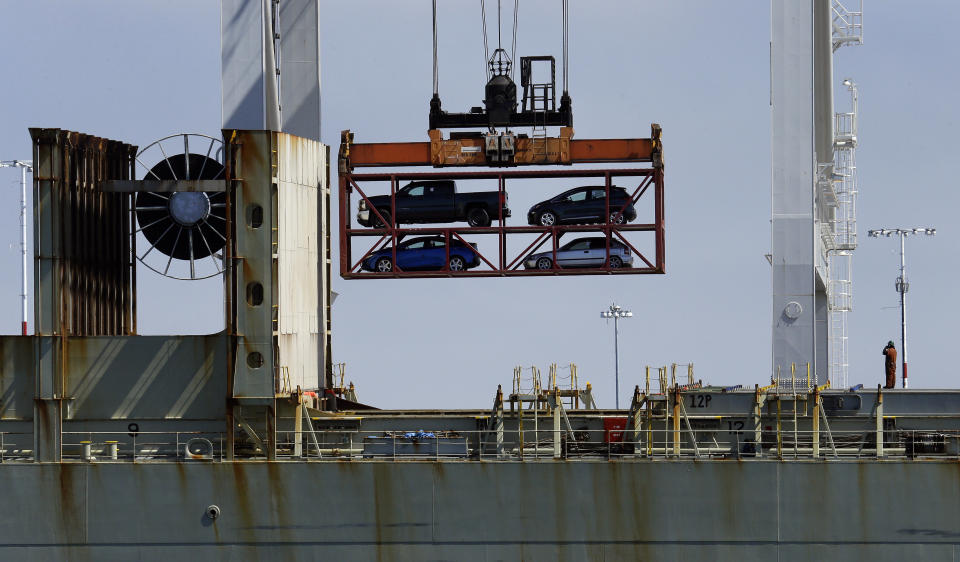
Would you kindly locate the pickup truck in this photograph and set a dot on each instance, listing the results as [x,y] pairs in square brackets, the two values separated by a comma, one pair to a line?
[434,201]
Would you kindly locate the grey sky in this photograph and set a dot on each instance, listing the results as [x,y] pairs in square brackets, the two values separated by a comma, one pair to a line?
[137,71]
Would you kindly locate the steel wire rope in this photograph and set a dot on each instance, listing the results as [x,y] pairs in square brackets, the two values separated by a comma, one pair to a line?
[275,14]
[513,49]
[436,80]
[486,49]
[566,41]
[499,41]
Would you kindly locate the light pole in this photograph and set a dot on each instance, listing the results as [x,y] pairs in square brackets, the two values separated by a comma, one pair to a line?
[25,166]
[616,313]
[902,285]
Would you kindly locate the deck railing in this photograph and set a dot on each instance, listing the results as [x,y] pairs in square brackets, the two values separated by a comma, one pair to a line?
[655,444]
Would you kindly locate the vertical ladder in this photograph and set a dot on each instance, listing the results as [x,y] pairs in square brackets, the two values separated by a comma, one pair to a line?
[538,104]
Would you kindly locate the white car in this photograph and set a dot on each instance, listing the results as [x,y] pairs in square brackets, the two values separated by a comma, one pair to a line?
[583,252]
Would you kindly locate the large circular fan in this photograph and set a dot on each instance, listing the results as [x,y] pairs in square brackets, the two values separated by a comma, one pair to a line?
[188,226]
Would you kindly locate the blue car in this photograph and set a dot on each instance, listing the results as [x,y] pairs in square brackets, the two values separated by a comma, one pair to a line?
[426,253]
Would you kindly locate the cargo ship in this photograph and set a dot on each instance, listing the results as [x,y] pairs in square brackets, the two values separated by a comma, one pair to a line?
[245,445]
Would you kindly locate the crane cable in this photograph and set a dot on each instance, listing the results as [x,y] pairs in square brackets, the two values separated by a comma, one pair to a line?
[436,79]
[566,41]
[486,49]
[513,50]
[499,41]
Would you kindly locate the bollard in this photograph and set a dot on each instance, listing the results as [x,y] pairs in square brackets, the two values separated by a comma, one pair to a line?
[85,451]
[112,448]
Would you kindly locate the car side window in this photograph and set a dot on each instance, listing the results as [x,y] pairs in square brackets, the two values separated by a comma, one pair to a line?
[415,191]
[581,245]
[577,196]
[414,245]
[599,193]
[437,244]
[601,244]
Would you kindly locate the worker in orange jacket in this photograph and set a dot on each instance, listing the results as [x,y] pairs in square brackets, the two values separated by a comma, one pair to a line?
[890,364]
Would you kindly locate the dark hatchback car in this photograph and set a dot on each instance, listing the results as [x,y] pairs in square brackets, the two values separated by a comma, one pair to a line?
[425,253]
[582,205]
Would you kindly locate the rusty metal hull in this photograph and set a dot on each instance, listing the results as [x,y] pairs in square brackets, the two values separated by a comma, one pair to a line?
[476,511]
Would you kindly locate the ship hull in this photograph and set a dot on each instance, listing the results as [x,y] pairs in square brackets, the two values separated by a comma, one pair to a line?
[552,510]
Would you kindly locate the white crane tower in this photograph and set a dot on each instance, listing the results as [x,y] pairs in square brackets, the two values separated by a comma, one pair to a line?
[813,187]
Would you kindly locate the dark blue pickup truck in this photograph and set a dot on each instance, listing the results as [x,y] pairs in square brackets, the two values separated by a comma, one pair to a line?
[434,201]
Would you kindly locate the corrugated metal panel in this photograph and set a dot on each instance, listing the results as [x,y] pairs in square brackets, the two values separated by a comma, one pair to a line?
[300,185]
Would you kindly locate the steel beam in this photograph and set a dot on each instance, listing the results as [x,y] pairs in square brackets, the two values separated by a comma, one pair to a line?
[469,151]
[163,186]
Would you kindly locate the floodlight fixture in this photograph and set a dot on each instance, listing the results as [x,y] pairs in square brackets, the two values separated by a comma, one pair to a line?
[25,166]
[616,312]
[902,285]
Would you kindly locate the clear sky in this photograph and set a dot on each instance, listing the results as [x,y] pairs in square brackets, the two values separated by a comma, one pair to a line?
[138,71]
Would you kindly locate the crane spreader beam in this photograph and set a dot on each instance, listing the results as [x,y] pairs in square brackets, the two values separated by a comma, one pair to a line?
[472,151]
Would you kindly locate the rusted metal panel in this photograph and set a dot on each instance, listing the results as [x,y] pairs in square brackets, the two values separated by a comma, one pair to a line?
[85,283]
[279,297]
[301,240]
[390,154]
[470,151]
[273,276]
[251,276]
[84,272]
[611,150]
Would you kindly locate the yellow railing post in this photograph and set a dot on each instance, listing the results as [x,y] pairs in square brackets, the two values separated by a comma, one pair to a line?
[649,427]
[676,421]
[779,433]
[816,423]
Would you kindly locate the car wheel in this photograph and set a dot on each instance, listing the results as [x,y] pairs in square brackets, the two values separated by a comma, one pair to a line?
[547,218]
[544,263]
[384,265]
[615,262]
[386,216]
[457,263]
[478,216]
[617,218]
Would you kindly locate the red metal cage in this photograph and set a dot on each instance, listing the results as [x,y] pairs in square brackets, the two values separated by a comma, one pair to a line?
[506,263]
